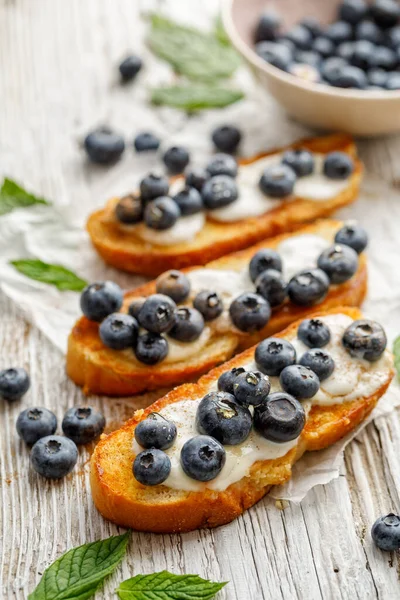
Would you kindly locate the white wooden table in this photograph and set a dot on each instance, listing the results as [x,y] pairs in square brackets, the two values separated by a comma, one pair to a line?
[57,75]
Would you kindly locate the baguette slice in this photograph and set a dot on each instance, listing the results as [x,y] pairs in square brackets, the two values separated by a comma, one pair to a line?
[100,370]
[123,500]
[122,249]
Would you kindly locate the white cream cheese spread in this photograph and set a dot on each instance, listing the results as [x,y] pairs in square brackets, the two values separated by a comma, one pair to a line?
[184,230]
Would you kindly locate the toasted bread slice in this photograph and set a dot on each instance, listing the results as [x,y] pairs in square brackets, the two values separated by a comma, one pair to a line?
[104,371]
[121,248]
[123,500]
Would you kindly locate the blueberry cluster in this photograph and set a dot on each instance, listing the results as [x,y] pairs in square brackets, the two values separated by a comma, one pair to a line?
[360,50]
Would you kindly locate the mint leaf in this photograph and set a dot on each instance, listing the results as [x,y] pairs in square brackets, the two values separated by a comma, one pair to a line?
[195,97]
[220,33]
[12,195]
[56,275]
[396,352]
[167,586]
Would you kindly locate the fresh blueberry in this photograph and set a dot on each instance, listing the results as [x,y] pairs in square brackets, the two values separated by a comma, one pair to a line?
[386,532]
[155,432]
[314,333]
[189,201]
[103,146]
[196,178]
[174,284]
[119,331]
[135,306]
[226,138]
[100,299]
[130,67]
[273,355]
[362,54]
[280,419]
[129,209]
[272,286]
[346,50]
[222,417]
[14,383]
[227,379]
[262,261]
[249,312]
[393,81]
[319,361]
[384,58]
[300,160]
[151,348]
[377,77]
[352,11]
[161,213]
[209,304]
[176,159]
[251,388]
[157,314]
[277,181]
[299,381]
[300,36]
[276,54]
[219,191]
[368,30]
[35,423]
[151,467]
[324,46]
[267,27]
[338,165]
[365,339]
[188,326]
[385,13]
[202,458]
[351,77]
[153,186]
[393,37]
[313,26]
[352,235]
[339,32]
[222,164]
[83,424]
[339,263]
[308,287]
[54,456]
[331,69]
[146,142]
[308,57]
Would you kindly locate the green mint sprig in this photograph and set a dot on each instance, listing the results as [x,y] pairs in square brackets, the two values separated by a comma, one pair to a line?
[57,275]
[167,586]
[12,196]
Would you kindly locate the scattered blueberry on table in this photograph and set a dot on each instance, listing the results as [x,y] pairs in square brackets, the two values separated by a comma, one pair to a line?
[83,424]
[14,383]
[130,67]
[146,142]
[385,532]
[103,146]
[54,456]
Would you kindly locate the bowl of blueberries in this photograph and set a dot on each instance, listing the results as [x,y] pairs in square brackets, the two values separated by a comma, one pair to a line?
[332,64]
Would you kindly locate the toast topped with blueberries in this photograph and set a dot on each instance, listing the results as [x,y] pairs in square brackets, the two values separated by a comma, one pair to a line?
[226,206]
[205,452]
[175,328]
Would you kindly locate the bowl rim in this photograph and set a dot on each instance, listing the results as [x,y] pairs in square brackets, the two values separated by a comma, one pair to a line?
[289,79]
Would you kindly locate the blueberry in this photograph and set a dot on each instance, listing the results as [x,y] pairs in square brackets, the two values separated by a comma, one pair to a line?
[272,286]
[377,77]
[385,13]
[273,355]
[368,30]
[300,36]
[202,458]
[339,263]
[346,50]
[54,456]
[362,54]
[151,348]
[267,27]
[222,164]
[196,178]
[135,306]
[393,81]
[129,209]
[35,423]
[277,181]
[314,333]
[308,287]
[157,314]
[100,299]
[155,432]
[83,424]
[151,467]
[219,191]
[227,379]
[339,32]
[352,11]
[262,261]
[103,146]
[153,186]
[251,388]
[351,77]
[365,339]
[176,159]
[386,532]
[299,381]
[14,383]
[331,69]
[338,165]
[130,67]
[226,138]
[146,142]
[280,419]
[189,201]
[119,331]
[384,58]
[222,417]
[308,57]
[313,26]
[300,160]
[161,213]
[174,284]
[209,304]
[249,312]
[319,361]
[188,326]
[393,37]
[324,46]
[276,54]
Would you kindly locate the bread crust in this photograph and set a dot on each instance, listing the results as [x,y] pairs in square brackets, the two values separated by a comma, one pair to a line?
[123,500]
[123,250]
[101,370]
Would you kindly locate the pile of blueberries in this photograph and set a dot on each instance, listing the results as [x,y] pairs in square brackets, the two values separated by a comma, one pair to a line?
[52,456]
[360,50]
